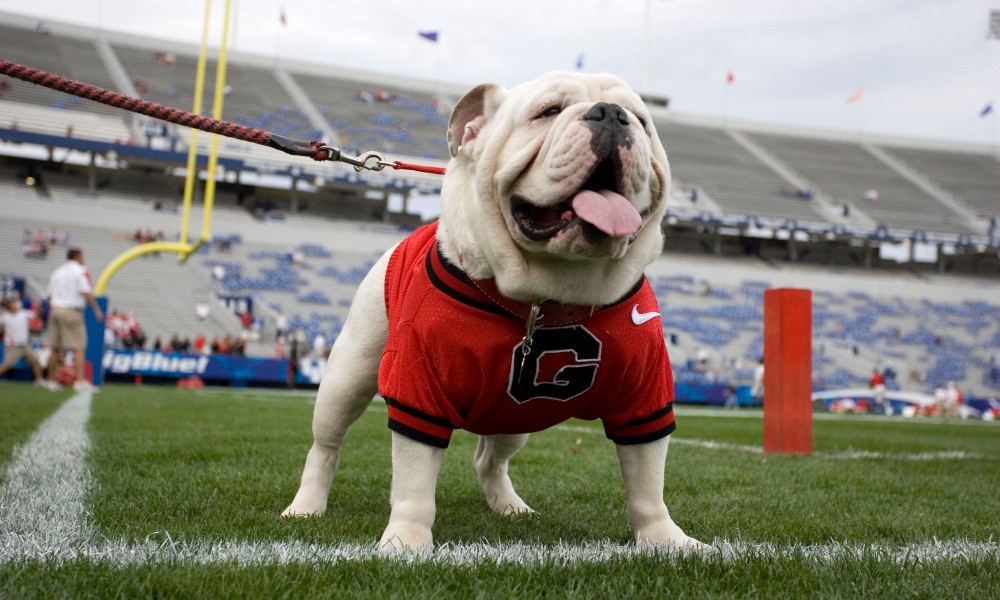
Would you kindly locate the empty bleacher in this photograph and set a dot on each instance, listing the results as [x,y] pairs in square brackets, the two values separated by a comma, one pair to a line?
[255,98]
[58,54]
[408,118]
[707,158]
[972,177]
[845,171]
[381,118]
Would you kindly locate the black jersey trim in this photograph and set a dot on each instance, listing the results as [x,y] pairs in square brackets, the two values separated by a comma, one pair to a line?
[417,435]
[439,421]
[666,410]
[453,269]
[631,440]
[451,292]
[632,292]
[463,278]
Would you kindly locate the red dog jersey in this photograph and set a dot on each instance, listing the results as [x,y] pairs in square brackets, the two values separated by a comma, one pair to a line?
[455,358]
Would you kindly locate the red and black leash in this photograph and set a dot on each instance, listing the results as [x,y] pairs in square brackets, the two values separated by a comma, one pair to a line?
[316,150]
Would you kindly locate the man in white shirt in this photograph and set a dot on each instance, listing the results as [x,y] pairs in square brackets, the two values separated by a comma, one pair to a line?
[757,388]
[14,319]
[69,293]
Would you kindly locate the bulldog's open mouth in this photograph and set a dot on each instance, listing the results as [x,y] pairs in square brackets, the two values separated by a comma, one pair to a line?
[596,204]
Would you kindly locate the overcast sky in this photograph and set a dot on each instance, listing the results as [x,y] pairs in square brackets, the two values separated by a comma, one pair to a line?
[925,67]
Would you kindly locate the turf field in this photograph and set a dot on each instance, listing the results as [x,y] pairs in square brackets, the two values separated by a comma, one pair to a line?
[158,492]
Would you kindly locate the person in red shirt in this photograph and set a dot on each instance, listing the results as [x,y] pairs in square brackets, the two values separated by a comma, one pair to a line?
[877,384]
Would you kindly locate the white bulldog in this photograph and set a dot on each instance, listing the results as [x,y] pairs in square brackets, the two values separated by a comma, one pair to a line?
[525,305]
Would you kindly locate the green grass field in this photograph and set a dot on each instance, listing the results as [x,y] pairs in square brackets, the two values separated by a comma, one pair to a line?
[156,492]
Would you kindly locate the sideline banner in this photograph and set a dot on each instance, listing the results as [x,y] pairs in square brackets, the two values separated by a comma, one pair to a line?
[216,367]
[220,367]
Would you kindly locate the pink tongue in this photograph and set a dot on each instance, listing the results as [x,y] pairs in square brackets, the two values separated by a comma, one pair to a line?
[608,211]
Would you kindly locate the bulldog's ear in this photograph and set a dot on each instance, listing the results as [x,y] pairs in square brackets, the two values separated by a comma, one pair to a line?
[469,116]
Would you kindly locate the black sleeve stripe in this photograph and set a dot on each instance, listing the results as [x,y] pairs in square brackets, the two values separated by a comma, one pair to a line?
[416,435]
[439,421]
[625,440]
[666,410]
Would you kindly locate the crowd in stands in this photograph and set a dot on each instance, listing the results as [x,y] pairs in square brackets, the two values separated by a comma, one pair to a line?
[123,331]
[37,244]
[144,236]
[267,210]
[226,344]
[165,206]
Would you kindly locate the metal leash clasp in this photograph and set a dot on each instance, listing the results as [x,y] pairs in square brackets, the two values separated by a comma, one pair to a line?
[370,161]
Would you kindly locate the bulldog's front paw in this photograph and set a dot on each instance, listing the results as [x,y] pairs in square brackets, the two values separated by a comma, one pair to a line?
[309,501]
[296,511]
[669,536]
[412,537]
[508,504]
[500,494]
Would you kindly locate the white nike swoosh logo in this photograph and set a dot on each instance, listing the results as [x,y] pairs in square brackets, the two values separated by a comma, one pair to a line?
[639,318]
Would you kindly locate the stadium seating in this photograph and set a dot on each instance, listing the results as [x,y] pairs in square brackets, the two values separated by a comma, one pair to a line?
[975,178]
[708,159]
[937,328]
[845,171]
[64,55]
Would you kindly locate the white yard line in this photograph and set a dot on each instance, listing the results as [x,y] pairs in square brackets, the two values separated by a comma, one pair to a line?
[252,553]
[43,514]
[843,455]
[43,498]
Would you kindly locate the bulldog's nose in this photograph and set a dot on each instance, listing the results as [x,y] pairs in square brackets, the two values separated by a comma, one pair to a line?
[603,111]
[609,128]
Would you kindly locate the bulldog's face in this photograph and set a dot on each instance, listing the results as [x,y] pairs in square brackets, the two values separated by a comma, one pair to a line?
[556,187]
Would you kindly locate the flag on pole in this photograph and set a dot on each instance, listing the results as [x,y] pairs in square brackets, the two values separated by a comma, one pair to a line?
[855,97]
[283,17]
[730,78]
[986,109]
[431,36]
[579,63]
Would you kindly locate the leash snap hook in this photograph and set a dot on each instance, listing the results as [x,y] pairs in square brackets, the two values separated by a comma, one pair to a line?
[371,161]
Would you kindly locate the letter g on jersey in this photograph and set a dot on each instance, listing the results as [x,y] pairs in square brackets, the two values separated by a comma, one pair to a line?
[571,379]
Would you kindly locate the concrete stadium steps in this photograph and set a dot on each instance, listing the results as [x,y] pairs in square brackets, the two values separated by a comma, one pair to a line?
[53,121]
[845,171]
[973,178]
[256,98]
[59,54]
[709,159]
[703,153]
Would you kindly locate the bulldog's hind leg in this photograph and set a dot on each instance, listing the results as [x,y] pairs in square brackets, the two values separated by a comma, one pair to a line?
[642,472]
[349,383]
[493,456]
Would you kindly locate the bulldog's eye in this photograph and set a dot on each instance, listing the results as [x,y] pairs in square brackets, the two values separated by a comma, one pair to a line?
[551,111]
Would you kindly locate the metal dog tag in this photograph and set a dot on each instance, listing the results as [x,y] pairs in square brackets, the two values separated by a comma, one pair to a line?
[532,324]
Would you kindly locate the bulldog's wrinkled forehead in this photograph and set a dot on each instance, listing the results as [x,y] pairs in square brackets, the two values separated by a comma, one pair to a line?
[567,88]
